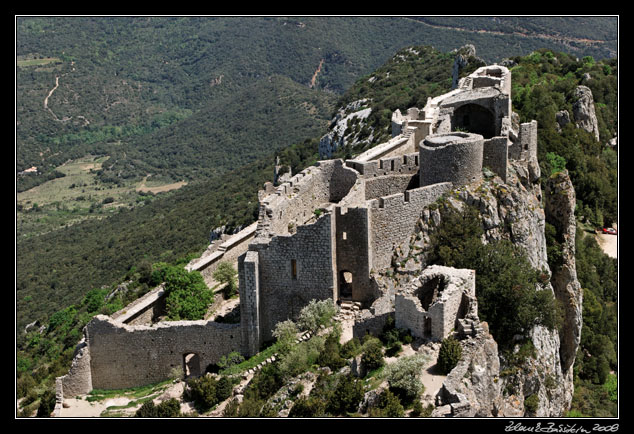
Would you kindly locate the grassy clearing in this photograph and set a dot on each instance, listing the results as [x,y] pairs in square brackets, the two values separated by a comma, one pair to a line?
[133,393]
[38,62]
[79,196]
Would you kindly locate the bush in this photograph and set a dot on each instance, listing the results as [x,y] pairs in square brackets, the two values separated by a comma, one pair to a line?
[226,274]
[331,356]
[47,404]
[449,354]
[403,376]
[351,348]
[285,333]
[308,407]
[389,405]
[372,357]
[346,397]
[169,408]
[187,296]
[531,403]
[232,359]
[203,392]
[316,314]
[231,409]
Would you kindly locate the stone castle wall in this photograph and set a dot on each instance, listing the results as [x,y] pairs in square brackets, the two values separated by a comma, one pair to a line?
[123,356]
[294,269]
[393,219]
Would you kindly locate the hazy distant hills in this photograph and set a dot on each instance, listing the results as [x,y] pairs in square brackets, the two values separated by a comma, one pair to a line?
[120,79]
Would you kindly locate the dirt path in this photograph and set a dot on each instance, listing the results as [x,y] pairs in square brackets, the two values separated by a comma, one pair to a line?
[314,79]
[49,95]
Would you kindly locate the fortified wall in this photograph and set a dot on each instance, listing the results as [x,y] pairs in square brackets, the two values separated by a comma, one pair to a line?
[325,234]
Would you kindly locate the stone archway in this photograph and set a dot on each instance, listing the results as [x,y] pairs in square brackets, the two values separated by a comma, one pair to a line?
[475,119]
[191,365]
[345,285]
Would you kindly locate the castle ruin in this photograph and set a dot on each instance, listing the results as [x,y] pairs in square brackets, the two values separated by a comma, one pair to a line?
[326,234]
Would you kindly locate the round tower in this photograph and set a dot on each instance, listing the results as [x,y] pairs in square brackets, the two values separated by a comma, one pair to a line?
[454,157]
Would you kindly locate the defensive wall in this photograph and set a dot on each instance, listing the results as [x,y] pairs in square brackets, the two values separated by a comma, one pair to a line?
[324,234]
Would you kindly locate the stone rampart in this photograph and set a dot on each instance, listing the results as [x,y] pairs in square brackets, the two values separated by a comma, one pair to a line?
[227,251]
[352,255]
[123,356]
[143,310]
[294,269]
[394,217]
[294,202]
[495,155]
[78,381]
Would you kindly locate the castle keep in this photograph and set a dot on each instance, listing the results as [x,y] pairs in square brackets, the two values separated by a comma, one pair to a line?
[326,234]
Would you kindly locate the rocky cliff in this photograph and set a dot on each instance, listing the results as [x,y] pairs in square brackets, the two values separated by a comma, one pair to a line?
[483,383]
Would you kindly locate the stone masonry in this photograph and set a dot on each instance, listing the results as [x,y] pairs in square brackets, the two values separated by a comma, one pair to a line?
[325,234]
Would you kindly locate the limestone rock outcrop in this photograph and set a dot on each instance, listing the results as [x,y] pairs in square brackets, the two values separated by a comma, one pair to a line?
[339,134]
[512,211]
[584,112]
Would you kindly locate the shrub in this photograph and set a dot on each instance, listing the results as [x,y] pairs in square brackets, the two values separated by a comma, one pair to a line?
[250,407]
[232,359]
[389,405]
[265,383]
[47,404]
[351,348]
[403,376]
[203,392]
[224,389]
[346,397]
[316,314]
[449,354]
[531,403]
[331,356]
[226,274]
[95,299]
[308,407]
[372,357]
[285,332]
[301,357]
[187,296]
[231,409]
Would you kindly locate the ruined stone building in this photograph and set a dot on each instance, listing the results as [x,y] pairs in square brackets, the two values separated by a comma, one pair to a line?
[325,234]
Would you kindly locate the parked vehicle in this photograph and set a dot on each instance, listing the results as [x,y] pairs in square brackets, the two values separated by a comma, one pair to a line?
[611,231]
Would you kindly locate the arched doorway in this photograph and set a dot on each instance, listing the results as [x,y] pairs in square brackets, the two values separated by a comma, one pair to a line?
[475,119]
[345,285]
[191,365]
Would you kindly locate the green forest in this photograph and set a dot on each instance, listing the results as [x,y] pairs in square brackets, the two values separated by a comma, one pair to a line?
[219,121]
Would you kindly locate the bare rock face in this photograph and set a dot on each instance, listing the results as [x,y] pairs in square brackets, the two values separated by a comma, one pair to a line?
[479,385]
[583,111]
[563,118]
[339,134]
[472,388]
[560,205]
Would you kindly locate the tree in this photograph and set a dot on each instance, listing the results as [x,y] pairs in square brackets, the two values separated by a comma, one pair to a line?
[449,354]
[187,296]
[226,274]
[372,357]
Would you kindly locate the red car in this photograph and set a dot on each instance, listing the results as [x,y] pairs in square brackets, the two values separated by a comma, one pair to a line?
[611,231]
